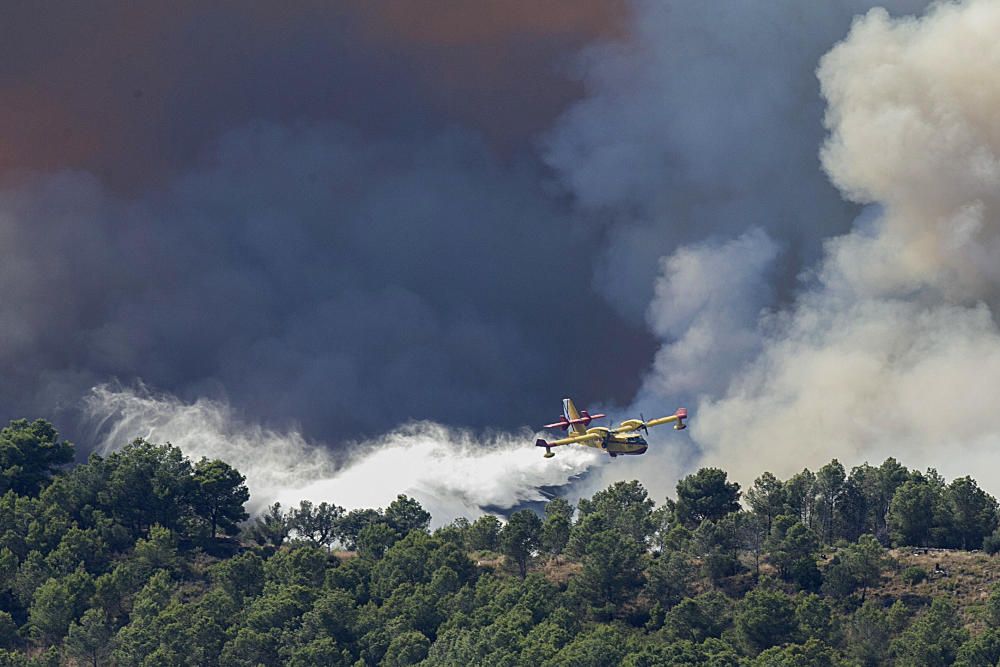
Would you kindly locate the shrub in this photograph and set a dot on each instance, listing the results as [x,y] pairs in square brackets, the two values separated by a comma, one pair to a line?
[991,543]
[914,575]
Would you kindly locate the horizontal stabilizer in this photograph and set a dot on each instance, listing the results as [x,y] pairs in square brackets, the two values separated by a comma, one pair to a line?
[584,419]
[548,452]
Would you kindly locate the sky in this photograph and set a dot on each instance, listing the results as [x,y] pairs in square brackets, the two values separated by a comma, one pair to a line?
[355,226]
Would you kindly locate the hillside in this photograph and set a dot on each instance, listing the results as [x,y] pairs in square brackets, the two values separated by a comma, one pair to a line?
[146,558]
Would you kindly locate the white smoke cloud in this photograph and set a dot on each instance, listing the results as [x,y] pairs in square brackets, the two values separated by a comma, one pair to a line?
[708,300]
[861,382]
[451,472]
[912,114]
[896,351]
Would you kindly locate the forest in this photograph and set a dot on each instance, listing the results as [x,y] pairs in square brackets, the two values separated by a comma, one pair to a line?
[147,558]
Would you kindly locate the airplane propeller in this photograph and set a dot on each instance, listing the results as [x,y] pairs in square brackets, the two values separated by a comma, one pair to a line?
[643,426]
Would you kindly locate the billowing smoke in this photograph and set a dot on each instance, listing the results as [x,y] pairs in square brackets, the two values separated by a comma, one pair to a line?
[896,351]
[708,301]
[451,472]
[894,348]
[705,122]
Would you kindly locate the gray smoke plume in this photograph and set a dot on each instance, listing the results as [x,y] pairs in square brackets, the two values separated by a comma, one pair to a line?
[705,121]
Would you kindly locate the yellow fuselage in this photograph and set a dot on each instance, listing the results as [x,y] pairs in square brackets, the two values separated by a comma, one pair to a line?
[629,442]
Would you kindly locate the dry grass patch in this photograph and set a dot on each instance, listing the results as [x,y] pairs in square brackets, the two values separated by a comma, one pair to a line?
[559,570]
[965,577]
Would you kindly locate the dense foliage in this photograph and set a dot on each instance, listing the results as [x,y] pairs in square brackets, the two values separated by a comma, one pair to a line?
[147,558]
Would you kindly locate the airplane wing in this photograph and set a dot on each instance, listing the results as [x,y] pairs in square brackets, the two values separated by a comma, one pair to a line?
[590,439]
[594,437]
[661,421]
[633,424]
[678,417]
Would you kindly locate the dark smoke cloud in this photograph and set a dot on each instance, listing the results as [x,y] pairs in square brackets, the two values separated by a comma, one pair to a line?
[324,213]
[310,275]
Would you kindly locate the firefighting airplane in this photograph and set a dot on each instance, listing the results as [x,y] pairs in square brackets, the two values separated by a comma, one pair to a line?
[624,439]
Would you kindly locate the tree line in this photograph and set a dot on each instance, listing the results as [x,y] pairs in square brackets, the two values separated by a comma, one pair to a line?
[147,558]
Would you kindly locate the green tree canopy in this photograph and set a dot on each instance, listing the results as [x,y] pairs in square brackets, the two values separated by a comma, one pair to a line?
[111,556]
[556,526]
[669,578]
[57,603]
[219,494]
[933,639]
[272,527]
[149,484]
[520,538]
[484,533]
[828,490]
[88,641]
[792,549]
[706,494]
[765,618]
[407,648]
[766,498]
[624,507]
[868,635]
[612,570]
[983,650]
[912,513]
[8,631]
[375,539]
[699,618]
[602,646]
[800,497]
[405,514]
[855,566]
[317,523]
[813,653]
[30,452]
[973,513]
[352,523]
